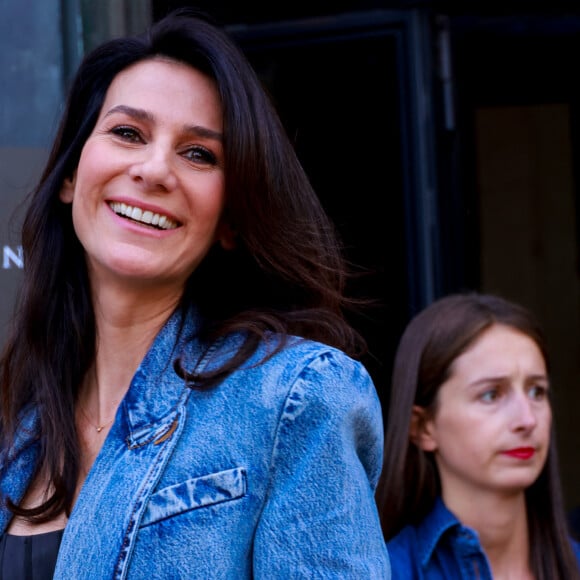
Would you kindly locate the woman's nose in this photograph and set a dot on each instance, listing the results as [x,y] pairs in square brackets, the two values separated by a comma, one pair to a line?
[525,416]
[155,169]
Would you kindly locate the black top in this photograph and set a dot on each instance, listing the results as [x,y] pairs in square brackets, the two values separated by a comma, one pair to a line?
[29,557]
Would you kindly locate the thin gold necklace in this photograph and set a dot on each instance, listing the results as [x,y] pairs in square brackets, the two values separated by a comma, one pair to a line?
[98,428]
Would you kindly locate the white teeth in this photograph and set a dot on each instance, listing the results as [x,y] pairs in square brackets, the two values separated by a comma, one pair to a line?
[146,217]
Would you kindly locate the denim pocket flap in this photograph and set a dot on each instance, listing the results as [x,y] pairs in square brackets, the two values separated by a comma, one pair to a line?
[195,493]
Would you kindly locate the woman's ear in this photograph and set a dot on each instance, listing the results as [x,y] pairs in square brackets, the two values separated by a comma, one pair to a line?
[226,235]
[421,429]
[67,191]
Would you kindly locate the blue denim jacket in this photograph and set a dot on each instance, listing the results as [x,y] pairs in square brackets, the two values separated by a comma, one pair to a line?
[440,548]
[270,475]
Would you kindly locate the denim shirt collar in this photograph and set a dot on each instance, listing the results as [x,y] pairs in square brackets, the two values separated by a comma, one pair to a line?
[429,533]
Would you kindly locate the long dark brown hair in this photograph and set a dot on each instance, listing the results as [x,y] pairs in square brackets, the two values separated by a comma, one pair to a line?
[287,273]
[409,483]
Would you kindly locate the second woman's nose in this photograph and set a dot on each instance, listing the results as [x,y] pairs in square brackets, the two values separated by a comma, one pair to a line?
[524,414]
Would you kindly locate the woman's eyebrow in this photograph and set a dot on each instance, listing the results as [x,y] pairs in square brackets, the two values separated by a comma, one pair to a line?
[486,379]
[142,115]
[498,378]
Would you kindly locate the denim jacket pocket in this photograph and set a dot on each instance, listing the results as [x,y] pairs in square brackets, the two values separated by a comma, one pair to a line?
[198,492]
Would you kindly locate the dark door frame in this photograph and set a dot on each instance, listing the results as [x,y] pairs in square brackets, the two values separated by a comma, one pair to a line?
[412,31]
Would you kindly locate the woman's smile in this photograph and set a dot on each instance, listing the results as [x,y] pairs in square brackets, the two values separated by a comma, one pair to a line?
[143,216]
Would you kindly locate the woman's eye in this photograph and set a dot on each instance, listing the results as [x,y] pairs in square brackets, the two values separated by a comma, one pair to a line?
[127,133]
[538,392]
[200,156]
[489,396]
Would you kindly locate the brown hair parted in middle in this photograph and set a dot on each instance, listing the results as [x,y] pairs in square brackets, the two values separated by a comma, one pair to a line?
[410,484]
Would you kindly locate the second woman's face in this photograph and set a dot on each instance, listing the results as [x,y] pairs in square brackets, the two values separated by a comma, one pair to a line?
[491,429]
[148,193]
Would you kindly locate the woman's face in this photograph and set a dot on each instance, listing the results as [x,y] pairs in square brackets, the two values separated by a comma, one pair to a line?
[148,193]
[491,427]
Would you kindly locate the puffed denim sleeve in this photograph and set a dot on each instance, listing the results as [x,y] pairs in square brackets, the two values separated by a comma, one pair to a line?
[320,519]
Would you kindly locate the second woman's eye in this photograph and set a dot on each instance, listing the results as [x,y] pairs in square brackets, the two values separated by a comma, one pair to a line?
[538,392]
[200,155]
[127,133]
[489,395]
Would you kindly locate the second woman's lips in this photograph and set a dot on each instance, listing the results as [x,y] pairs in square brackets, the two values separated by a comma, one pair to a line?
[520,452]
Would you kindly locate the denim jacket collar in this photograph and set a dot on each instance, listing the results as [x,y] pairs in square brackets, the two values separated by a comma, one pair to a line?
[146,415]
[142,406]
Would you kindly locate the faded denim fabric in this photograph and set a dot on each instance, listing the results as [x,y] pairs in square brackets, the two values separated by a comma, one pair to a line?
[440,548]
[270,475]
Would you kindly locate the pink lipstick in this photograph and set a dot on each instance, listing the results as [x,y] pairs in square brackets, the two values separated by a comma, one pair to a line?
[520,452]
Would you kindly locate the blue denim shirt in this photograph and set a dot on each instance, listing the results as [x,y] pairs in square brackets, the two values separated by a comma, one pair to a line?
[440,548]
[270,475]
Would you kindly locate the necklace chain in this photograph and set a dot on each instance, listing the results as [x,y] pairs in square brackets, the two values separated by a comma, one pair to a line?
[98,428]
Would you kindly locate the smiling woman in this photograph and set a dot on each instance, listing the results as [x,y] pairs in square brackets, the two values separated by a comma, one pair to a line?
[181,373]
[156,152]
[470,487]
